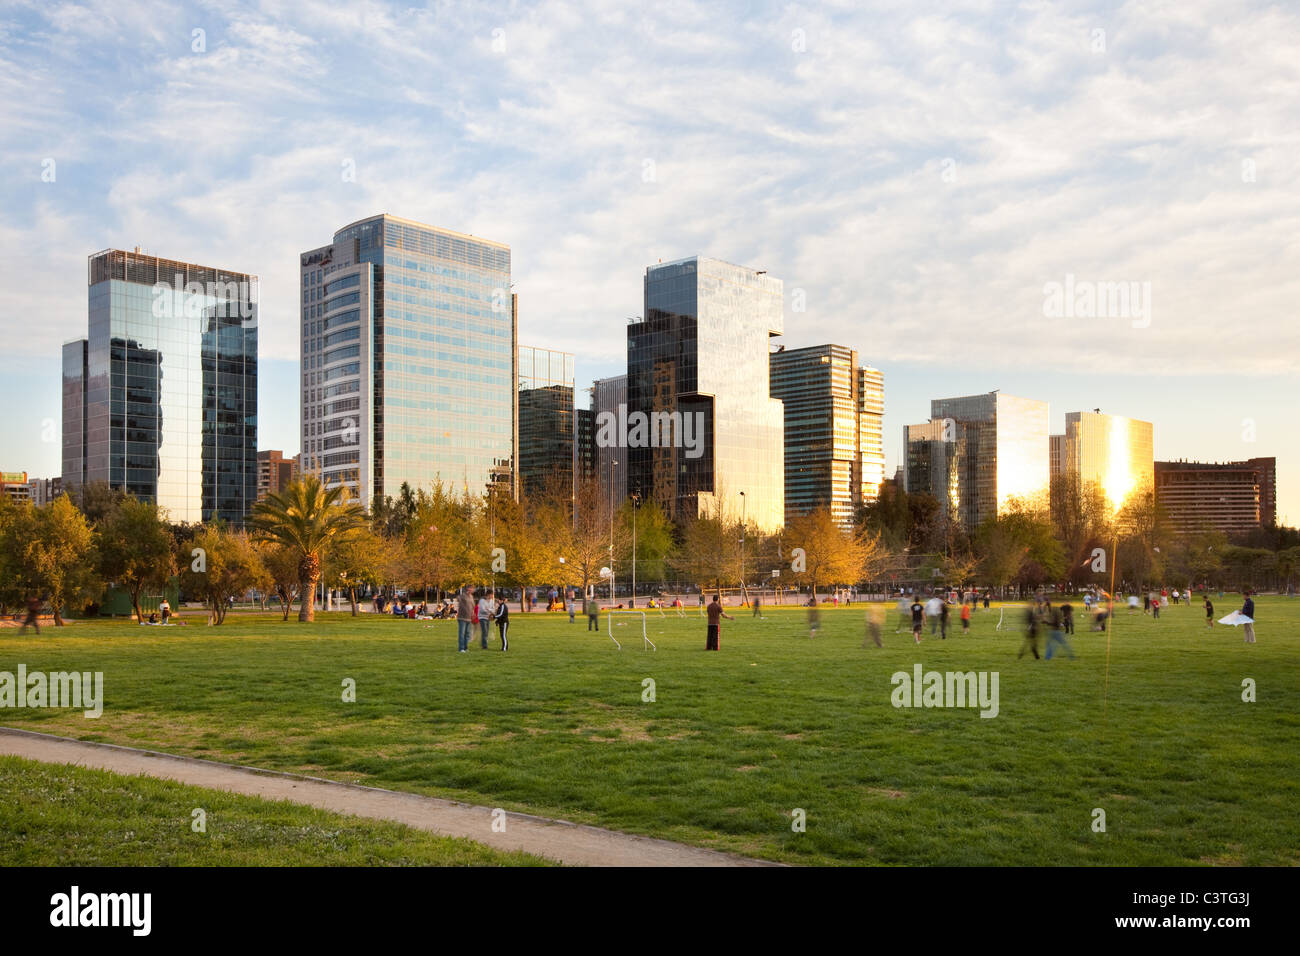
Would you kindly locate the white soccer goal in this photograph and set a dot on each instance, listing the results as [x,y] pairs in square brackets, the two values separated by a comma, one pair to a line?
[645,638]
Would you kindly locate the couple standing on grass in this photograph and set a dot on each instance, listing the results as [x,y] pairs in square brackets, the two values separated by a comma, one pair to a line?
[468,613]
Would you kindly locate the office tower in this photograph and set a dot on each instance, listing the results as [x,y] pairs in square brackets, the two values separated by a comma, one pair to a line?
[546,425]
[1056,455]
[1233,497]
[160,398]
[408,355]
[274,472]
[981,451]
[608,401]
[703,433]
[1110,451]
[584,447]
[834,440]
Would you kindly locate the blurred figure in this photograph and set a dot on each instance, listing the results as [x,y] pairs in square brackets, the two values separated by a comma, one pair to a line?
[1031,632]
[1067,618]
[1209,612]
[1248,610]
[1055,635]
[965,617]
[918,618]
[933,607]
[875,617]
[814,616]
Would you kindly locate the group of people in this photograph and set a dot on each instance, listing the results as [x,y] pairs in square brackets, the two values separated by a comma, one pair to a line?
[1057,621]
[938,610]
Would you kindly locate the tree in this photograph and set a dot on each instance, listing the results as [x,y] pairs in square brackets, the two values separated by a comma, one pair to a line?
[831,554]
[436,549]
[135,548]
[308,519]
[357,560]
[281,565]
[586,547]
[1080,517]
[654,540]
[53,550]
[228,566]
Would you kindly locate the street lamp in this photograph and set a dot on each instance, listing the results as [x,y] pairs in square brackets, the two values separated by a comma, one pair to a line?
[612,463]
[636,506]
[743,501]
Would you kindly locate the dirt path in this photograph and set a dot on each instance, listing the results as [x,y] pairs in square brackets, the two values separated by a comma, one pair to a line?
[570,843]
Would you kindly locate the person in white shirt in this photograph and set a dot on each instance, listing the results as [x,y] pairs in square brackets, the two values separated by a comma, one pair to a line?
[486,611]
[933,610]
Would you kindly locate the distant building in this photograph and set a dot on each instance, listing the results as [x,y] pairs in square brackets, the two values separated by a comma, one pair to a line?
[834,438]
[608,395]
[1232,497]
[13,484]
[977,453]
[274,472]
[546,427]
[698,373]
[160,398]
[1110,451]
[1056,455]
[584,446]
[44,490]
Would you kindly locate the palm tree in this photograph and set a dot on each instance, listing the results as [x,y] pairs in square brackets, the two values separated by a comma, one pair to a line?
[306,518]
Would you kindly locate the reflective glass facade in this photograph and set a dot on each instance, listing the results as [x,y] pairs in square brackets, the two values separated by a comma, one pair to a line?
[408,354]
[609,461]
[834,443]
[167,388]
[1111,451]
[701,351]
[546,425]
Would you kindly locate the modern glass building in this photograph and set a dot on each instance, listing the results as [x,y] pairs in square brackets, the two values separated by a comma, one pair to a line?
[698,373]
[408,355]
[999,450]
[609,460]
[160,398]
[546,424]
[1110,451]
[834,439]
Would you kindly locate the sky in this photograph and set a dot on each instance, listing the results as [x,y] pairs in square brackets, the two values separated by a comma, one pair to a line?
[918,175]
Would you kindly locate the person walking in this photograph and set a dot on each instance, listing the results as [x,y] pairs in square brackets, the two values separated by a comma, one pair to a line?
[902,614]
[1055,635]
[1209,611]
[570,601]
[814,616]
[758,604]
[1248,610]
[33,612]
[715,615]
[1155,610]
[932,610]
[965,618]
[943,619]
[987,595]
[918,618]
[1031,633]
[593,614]
[464,617]
[502,618]
[1067,618]
[875,617]
[486,608]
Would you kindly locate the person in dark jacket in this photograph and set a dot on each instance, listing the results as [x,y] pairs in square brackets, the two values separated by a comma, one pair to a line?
[502,617]
[715,615]
[464,618]
[1248,610]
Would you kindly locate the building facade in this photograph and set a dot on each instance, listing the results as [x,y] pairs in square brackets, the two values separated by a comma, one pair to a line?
[978,453]
[1110,451]
[1232,497]
[15,486]
[546,420]
[699,387]
[160,398]
[42,491]
[834,436]
[608,397]
[408,359]
[274,472]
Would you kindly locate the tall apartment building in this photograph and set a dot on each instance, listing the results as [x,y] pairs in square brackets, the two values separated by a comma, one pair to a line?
[978,452]
[1110,451]
[546,423]
[698,376]
[408,359]
[1232,497]
[160,398]
[274,472]
[834,434]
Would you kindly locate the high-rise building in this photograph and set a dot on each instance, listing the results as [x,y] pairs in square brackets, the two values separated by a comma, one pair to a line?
[42,491]
[703,432]
[274,472]
[546,426]
[1109,451]
[1233,497]
[408,359]
[1056,455]
[160,398]
[978,452]
[608,398]
[834,439]
[584,446]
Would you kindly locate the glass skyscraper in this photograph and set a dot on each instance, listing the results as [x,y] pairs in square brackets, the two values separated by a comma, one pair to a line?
[834,441]
[978,452]
[160,398]
[546,425]
[408,359]
[697,368]
[1110,451]
[609,460]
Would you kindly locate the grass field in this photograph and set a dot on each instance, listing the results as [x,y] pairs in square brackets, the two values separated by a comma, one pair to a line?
[58,814]
[735,742]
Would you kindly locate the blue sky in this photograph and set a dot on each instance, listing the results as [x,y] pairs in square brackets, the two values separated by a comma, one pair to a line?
[915,173]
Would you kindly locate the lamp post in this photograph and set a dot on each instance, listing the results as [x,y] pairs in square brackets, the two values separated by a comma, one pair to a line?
[612,463]
[743,502]
[636,506]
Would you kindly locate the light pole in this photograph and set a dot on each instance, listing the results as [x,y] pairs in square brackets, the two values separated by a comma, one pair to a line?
[612,463]
[636,506]
[743,502]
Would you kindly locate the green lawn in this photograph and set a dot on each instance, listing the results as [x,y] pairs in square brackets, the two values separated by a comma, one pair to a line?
[51,813]
[1186,772]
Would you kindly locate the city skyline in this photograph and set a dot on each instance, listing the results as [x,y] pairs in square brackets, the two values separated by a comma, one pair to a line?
[964,208]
